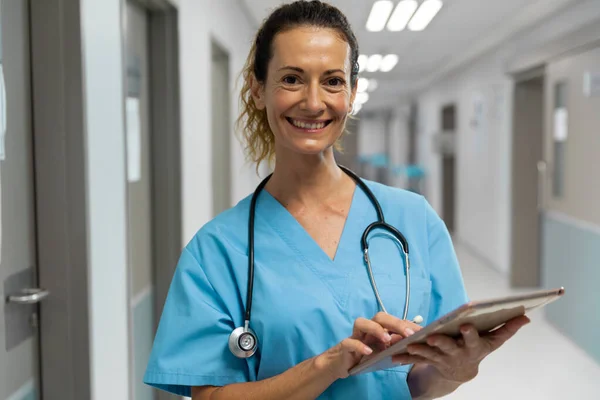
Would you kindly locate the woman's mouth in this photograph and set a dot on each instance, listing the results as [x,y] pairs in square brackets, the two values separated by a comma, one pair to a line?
[308,125]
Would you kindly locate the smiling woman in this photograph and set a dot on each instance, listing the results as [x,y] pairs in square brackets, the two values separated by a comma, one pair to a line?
[295,55]
[320,247]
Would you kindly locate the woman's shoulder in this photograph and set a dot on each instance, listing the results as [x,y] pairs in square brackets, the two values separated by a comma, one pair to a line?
[224,233]
[394,196]
[403,204]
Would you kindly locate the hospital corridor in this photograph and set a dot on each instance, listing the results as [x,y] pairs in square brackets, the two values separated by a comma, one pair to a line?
[299,199]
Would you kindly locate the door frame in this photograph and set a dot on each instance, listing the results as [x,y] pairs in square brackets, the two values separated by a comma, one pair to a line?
[165,152]
[59,126]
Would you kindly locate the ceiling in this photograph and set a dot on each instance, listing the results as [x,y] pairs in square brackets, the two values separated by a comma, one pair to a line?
[462,30]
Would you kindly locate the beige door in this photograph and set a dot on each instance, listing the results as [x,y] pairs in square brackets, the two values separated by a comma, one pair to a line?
[571,228]
[527,153]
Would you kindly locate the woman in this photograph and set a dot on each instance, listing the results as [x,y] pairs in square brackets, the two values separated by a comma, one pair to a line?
[314,311]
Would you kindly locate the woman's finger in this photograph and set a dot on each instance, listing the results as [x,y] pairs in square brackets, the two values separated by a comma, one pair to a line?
[366,326]
[498,337]
[405,359]
[470,336]
[445,344]
[396,325]
[427,352]
[355,346]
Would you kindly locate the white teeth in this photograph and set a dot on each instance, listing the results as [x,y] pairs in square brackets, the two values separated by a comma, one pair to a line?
[304,125]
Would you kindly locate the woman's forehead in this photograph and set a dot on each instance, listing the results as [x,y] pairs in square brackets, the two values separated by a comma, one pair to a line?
[313,47]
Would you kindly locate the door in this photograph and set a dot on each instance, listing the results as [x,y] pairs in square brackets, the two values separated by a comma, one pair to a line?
[221,130]
[139,193]
[571,227]
[18,315]
[527,153]
[449,169]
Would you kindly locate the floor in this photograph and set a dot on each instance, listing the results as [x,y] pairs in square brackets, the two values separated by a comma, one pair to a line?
[537,363]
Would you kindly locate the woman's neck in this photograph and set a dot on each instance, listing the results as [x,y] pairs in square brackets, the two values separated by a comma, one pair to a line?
[308,180]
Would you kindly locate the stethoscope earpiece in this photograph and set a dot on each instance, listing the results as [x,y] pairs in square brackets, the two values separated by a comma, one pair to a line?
[417,320]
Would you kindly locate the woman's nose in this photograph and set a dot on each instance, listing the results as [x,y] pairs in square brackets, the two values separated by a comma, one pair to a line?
[313,100]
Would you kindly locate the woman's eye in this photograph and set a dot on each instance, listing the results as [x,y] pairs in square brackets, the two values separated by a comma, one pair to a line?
[290,80]
[335,82]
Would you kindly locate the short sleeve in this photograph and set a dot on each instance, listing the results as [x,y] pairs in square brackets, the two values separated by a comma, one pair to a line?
[447,286]
[191,344]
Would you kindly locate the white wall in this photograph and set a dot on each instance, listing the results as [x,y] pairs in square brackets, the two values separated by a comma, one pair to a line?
[483,150]
[106,195]
[371,134]
[199,23]
[483,156]
[398,143]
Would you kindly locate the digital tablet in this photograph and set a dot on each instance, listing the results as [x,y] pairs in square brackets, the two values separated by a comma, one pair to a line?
[486,316]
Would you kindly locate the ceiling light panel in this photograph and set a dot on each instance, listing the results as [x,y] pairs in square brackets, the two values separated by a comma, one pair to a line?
[372,85]
[361,98]
[388,63]
[362,62]
[424,15]
[379,15]
[374,62]
[363,85]
[401,15]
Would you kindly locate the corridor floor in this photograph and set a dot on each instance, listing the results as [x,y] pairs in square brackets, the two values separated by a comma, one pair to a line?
[538,363]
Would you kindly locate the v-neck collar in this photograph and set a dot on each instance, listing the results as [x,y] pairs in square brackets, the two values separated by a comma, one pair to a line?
[294,234]
[334,274]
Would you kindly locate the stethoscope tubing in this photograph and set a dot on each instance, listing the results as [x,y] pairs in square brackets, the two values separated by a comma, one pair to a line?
[245,332]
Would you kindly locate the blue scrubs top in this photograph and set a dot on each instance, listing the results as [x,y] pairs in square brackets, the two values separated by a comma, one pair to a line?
[304,302]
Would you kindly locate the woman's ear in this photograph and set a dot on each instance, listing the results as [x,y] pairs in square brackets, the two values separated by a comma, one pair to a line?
[258,93]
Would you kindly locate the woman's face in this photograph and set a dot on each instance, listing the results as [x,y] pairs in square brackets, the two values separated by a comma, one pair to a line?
[307,94]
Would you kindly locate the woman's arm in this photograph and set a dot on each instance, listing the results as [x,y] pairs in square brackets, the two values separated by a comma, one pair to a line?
[425,382]
[310,378]
[444,363]
[304,381]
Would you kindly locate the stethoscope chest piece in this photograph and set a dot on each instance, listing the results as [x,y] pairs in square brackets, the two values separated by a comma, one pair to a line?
[243,342]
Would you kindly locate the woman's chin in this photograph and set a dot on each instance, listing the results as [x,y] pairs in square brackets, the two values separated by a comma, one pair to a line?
[310,148]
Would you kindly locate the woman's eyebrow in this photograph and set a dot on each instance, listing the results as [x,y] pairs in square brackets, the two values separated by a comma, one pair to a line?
[297,69]
[300,70]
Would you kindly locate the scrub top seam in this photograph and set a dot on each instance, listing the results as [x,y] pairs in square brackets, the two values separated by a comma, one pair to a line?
[199,265]
[224,237]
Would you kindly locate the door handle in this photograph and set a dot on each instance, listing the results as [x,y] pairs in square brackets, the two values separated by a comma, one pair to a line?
[542,168]
[28,296]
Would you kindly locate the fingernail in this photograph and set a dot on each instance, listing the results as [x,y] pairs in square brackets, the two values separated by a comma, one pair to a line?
[368,350]
[409,332]
[387,337]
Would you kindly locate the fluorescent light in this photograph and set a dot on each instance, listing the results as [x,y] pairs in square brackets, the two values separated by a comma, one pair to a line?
[372,85]
[388,62]
[401,15]
[361,98]
[363,84]
[362,62]
[379,15]
[374,62]
[424,15]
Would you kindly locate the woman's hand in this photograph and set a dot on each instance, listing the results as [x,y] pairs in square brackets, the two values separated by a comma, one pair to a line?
[367,335]
[458,360]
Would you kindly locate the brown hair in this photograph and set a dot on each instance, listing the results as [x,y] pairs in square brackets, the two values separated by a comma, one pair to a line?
[257,135]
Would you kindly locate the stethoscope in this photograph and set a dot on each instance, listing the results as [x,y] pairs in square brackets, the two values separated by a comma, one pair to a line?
[243,341]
